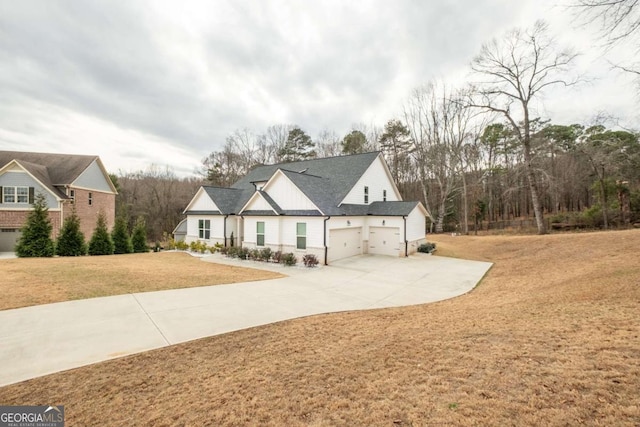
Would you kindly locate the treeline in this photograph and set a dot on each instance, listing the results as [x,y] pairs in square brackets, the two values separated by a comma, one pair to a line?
[476,155]
[587,175]
[157,196]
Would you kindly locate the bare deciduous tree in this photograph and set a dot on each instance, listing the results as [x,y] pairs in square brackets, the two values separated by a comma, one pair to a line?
[618,19]
[438,122]
[514,71]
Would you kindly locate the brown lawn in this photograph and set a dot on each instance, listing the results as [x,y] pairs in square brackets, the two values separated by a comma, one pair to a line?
[550,337]
[31,281]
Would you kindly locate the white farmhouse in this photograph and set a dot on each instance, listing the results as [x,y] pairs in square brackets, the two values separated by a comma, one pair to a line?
[333,207]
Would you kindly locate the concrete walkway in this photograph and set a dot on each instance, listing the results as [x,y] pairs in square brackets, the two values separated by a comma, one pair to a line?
[39,340]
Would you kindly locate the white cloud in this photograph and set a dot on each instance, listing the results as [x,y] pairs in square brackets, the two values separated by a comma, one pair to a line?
[163,82]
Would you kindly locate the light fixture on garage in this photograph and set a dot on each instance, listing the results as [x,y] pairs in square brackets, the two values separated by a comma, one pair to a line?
[348,223]
[383,222]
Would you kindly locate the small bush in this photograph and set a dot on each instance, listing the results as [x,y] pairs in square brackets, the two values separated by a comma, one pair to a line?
[265,254]
[276,257]
[427,248]
[182,245]
[224,251]
[289,259]
[310,260]
[232,252]
[171,244]
[243,253]
[254,254]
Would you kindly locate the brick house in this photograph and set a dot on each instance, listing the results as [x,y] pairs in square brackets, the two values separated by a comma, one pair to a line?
[67,181]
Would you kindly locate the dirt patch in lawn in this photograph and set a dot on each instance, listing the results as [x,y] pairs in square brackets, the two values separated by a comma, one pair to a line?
[550,337]
[32,281]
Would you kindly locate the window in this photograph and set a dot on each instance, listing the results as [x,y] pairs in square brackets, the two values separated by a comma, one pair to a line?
[72,194]
[23,194]
[384,195]
[90,199]
[301,235]
[204,229]
[260,233]
[366,195]
[15,194]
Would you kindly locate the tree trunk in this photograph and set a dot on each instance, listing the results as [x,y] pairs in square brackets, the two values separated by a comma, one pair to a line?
[465,206]
[535,201]
[603,197]
[440,219]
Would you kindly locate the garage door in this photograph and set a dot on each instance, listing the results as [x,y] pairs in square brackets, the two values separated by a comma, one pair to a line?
[384,241]
[344,242]
[8,239]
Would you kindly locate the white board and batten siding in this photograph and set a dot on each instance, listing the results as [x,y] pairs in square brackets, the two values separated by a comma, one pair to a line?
[280,234]
[315,231]
[416,230]
[202,202]
[258,203]
[271,231]
[377,180]
[216,229]
[287,195]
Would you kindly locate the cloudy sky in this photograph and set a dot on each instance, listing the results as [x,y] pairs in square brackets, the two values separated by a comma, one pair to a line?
[164,82]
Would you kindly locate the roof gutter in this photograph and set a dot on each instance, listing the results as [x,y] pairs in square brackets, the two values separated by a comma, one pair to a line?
[224,229]
[406,243]
[326,249]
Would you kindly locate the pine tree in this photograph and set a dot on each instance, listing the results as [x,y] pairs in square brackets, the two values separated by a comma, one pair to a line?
[101,243]
[299,146]
[120,236]
[139,238]
[71,240]
[35,240]
[396,144]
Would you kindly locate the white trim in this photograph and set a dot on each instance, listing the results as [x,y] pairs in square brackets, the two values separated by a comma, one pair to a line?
[16,162]
[104,173]
[265,189]
[251,199]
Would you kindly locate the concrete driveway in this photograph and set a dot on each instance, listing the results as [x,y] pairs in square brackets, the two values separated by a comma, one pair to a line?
[43,339]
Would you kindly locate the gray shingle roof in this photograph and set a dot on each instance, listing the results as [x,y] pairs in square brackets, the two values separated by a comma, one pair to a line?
[52,170]
[391,208]
[326,182]
[271,202]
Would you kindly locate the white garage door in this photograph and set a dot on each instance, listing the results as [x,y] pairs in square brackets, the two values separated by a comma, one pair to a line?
[384,241]
[344,242]
[8,239]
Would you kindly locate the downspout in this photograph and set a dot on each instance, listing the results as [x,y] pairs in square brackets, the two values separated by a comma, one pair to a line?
[406,243]
[224,229]
[326,249]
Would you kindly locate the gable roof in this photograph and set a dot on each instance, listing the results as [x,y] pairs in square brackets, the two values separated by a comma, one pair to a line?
[53,170]
[326,181]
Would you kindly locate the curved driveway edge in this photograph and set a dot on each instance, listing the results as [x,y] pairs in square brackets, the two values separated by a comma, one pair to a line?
[40,340]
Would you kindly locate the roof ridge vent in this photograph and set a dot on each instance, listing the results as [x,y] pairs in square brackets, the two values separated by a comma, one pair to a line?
[303,170]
